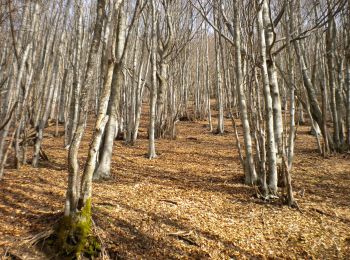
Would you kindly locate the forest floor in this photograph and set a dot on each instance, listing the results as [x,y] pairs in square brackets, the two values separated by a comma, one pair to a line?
[188,203]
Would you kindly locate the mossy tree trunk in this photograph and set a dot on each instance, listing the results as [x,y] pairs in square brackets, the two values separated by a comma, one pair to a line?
[73,233]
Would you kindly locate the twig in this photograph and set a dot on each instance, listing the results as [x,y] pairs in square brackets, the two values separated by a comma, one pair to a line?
[169,201]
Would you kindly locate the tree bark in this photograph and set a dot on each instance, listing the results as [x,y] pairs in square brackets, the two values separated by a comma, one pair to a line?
[268,106]
[104,167]
[250,174]
[153,91]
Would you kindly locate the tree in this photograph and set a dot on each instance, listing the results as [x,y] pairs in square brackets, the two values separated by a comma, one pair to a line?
[153,92]
[76,223]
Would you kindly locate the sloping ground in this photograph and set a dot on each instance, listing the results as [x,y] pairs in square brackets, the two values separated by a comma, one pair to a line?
[188,203]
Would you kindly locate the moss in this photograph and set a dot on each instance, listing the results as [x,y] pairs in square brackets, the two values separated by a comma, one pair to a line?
[93,247]
[74,234]
[83,226]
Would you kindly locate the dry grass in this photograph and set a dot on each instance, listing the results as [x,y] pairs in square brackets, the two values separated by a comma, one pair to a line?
[188,203]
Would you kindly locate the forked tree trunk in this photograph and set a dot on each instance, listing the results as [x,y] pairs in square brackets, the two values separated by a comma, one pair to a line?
[104,168]
[76,224]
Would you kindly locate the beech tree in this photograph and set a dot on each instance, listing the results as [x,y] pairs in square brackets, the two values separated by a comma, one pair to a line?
[266,65]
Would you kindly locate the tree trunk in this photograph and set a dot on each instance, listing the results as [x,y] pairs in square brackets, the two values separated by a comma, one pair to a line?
[348,98]
[106,150]
[207,86]
[153,90]
[250,173]
[219,98]
[271,67]
[73,165]
[268,107]
[330,39]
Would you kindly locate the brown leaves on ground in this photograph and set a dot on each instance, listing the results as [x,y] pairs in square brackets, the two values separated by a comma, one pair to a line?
[188,203]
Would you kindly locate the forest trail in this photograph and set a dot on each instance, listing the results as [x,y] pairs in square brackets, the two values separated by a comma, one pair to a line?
[188,203]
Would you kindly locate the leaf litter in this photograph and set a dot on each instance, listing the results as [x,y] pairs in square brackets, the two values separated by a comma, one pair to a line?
[189,203]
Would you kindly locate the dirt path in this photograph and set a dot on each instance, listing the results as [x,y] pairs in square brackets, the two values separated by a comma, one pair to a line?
[188,203]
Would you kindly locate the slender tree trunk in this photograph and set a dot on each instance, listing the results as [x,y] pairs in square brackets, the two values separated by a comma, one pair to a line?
[268,107]
[76,85]
[314,105]
[250,172]
[271,67]
[330,40]
[290,69]
[153,89]
[140,90]
[207,87]
[348,98]
[219,98]
[161,94]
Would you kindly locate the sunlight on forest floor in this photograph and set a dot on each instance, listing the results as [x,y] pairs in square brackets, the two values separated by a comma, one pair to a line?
[188,203]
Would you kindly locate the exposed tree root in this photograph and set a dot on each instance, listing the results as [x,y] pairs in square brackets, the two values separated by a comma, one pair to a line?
[40,237]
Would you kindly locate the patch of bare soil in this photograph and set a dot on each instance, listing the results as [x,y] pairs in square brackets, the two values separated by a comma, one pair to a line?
[188,203]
